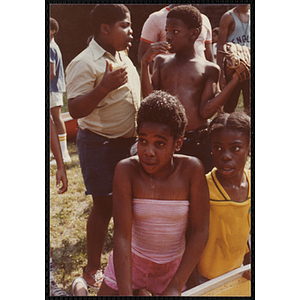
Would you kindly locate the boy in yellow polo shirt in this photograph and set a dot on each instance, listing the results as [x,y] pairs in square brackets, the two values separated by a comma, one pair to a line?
[229,186]
[105,100]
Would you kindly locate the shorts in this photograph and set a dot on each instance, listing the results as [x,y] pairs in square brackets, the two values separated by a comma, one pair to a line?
[197,143]
[98,157]
[56,99]
[146,274]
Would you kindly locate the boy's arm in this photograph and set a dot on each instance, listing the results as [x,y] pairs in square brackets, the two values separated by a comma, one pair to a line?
[83,105]
[61,175]
[247,257]
[153,50]
[122,214]
[222,38]
[52,71]
[199,220]
[210,103]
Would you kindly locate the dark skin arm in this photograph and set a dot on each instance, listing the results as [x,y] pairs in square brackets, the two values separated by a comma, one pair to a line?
[83,105]
[199,220]
[61,175]
[224,32]
[247,257]
[152,51]
[52,71]
[122,214]
[210,104]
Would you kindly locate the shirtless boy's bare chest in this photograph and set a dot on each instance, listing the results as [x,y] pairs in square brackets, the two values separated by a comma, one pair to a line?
[184,80]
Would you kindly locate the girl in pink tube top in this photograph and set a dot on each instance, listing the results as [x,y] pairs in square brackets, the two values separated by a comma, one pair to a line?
[157,195]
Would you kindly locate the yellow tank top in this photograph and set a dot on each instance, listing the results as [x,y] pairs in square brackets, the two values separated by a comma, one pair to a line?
[229,230]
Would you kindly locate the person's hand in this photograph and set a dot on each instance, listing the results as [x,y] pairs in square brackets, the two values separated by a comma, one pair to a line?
[247,274]
[61,177]
[112,79]
[236,77]
[154,49]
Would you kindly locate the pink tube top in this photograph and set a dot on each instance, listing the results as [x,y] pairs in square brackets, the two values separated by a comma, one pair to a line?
[158,229]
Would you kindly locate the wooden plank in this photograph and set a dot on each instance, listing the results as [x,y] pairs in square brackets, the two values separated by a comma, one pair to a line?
[216,282]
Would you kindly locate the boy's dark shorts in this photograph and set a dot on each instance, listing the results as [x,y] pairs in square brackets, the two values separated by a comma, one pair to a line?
[98,158]
[197,143]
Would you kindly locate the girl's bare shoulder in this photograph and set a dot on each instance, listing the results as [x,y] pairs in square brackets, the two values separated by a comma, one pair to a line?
[188,163]
[129,164]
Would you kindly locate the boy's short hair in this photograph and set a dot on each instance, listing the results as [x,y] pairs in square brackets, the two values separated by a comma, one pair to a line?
[188,14]
[163,108]
[238,121]
[54,25]
[108,14]
[216,30]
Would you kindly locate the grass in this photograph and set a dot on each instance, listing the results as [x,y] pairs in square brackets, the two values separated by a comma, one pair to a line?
[64,108]
[68,217]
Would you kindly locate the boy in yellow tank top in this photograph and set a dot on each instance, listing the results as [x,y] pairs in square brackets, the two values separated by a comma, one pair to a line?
[230,199]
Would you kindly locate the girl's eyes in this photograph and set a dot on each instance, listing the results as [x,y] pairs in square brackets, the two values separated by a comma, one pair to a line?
[236,148]
[174,31]
[217,148]
[160,144]
[142,141]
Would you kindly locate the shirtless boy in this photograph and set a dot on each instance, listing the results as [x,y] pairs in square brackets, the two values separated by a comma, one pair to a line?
[188,76]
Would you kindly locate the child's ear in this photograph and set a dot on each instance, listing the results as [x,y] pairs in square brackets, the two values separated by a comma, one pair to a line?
[178,144]
[195,33]
[104,28]
[52,32]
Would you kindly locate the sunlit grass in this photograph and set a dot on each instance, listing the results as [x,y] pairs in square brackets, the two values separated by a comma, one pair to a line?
[68,217]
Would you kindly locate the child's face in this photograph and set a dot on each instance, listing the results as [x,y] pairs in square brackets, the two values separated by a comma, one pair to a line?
[120,34]
[214,37]
[178,35]
[230,149]
[52,33]
[156,147]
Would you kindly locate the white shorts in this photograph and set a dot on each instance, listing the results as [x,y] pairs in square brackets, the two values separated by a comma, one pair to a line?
[56,99]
